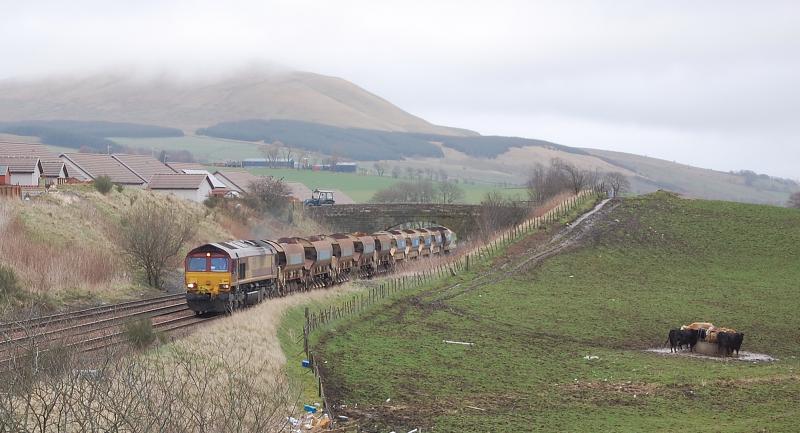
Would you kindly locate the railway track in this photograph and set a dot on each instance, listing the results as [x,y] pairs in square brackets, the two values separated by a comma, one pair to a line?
[92,329]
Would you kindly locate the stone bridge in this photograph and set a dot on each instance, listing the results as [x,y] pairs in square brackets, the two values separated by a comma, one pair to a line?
[461,218]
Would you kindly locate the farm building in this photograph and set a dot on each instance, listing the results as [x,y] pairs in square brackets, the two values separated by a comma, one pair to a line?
[90,166]
[194,187]
[144,166]
[24,171]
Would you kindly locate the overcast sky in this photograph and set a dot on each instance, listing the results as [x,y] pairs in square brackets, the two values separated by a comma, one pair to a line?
[713,84]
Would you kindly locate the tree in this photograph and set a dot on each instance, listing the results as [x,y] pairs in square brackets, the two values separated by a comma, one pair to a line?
[498,212]
[152,235]
[396,172]
[103,184]
[794,200]
[380,168]
[578,178]
[616,183]
[449,193]
[287,154]
[545,183]
[271,152]
[268,194]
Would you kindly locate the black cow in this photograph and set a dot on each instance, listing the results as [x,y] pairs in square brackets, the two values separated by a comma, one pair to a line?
[677,338]
[726,342]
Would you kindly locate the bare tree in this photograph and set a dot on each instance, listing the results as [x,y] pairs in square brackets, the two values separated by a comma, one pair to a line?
[615,183]
[443,175]
[271,152]
[152,235]
[380,168]
[794,200]
[545,183]
[449,193]
[578,178]
[396,172]
[302,159]
[497,212]
[287,154]
[268,194]
[410,172]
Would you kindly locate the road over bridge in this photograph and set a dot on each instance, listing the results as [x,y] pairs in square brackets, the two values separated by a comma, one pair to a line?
[462,218]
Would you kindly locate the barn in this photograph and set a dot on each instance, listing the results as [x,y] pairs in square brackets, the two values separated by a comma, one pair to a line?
[194,187]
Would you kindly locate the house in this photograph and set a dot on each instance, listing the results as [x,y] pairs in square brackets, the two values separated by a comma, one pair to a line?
[218,184]
[52,167]
[237,181]
[178,166]
[53,170]
[3,174]
[90,166]
[24,171]
[145,166]
[194,187]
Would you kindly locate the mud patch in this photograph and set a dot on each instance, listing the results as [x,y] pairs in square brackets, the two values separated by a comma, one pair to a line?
[743,356]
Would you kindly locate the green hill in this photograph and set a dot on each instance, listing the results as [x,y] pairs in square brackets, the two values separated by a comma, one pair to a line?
[650,264]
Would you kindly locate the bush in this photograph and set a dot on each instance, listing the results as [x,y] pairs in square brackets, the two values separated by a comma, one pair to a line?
[103,184]
[8,282]
[140,332]
[118,187]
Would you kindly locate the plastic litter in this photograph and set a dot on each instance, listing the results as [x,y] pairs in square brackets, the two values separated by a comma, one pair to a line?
[309,408]
[458,342]
[306,363]
[591,357]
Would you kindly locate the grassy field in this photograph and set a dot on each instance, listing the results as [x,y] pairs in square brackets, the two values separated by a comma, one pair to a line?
[654,263]
[361,187]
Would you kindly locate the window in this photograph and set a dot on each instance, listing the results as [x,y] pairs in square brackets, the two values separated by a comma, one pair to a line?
[196,264]
[219,264]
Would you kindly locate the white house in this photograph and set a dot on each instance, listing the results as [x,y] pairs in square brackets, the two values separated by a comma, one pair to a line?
[194,187]
[22,170]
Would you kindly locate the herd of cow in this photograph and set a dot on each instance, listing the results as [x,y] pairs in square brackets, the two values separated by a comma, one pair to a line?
[727,340]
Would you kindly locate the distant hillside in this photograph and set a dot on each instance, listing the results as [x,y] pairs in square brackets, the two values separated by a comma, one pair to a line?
[257,94]
[368,144]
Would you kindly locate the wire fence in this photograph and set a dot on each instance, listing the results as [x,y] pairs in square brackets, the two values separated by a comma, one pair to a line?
[425,271]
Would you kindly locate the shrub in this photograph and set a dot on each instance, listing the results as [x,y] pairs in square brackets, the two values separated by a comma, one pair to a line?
[103,184]
[8,282]
[140,332]
[118,187]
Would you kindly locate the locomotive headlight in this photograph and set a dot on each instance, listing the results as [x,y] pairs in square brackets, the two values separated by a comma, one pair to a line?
[190,285]
[224,286]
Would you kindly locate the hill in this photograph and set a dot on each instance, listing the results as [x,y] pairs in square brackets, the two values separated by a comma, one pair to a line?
[561,345]
[189,105]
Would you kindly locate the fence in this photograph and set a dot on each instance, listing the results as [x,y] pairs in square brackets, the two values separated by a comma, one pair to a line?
[10,191]
[440,267]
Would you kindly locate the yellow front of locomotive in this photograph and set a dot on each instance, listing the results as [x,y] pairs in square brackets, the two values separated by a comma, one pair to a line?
[208,277]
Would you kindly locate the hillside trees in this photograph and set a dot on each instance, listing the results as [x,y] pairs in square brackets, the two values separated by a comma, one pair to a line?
[449,193]
[420,191]
[380,168]
[794,200]
[151,235]
[545,183]
[615,183]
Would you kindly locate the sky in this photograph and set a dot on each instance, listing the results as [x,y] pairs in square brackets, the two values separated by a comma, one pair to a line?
[714,84]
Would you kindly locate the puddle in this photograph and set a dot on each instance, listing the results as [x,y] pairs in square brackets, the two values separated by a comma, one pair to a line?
[743,356]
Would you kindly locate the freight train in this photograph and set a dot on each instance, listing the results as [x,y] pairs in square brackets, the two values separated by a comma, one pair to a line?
[226,276]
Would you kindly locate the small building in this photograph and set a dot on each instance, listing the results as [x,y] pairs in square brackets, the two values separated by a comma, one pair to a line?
[53,170]
[194,187]
[90,166]
[3,174]
[346,167]
[23,171]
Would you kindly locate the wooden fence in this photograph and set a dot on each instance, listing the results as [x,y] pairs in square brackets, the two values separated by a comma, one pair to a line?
[10,191]
[437,268]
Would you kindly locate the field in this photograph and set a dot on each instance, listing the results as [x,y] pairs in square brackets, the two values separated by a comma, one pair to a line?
[203,148]
[361,187]
[651,264]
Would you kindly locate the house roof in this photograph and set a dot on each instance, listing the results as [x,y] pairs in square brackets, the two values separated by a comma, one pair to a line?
[96,165]
[236,180]
[20,164]
[10,148]
[178,181]
[53,168]
[145,166]
[178,166]
[216,183]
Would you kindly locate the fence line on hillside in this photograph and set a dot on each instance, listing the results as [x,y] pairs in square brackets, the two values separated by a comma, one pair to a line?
[446,265]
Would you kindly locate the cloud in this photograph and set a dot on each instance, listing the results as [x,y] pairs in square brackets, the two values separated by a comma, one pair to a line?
[638,76]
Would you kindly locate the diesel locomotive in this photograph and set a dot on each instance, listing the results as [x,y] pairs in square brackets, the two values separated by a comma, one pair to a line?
[226,276]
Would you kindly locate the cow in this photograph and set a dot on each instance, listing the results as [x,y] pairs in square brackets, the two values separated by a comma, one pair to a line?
[738,338]
[725,343]
[678,338]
